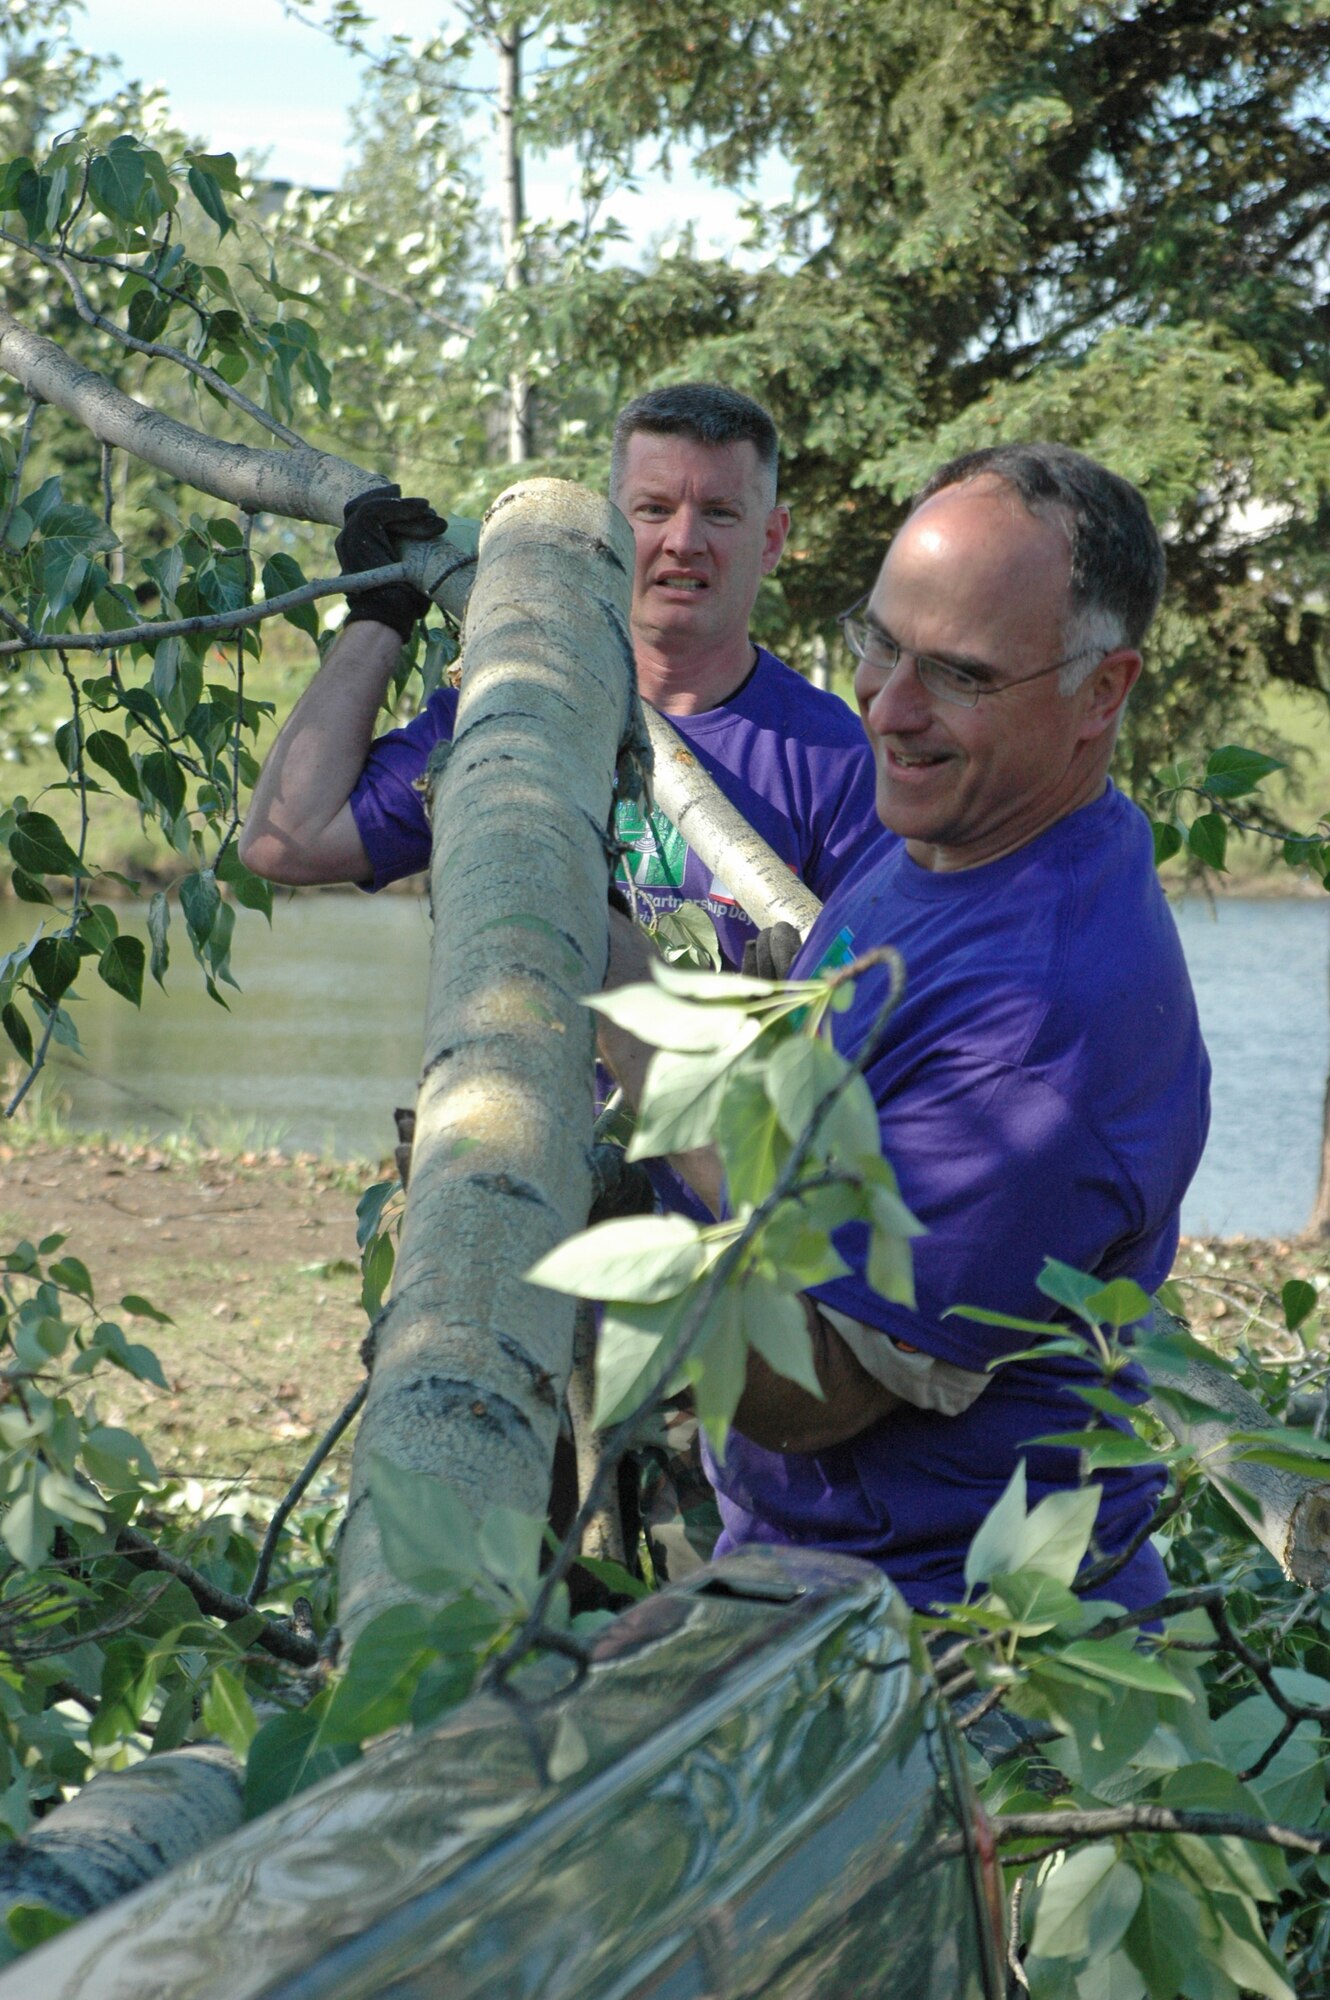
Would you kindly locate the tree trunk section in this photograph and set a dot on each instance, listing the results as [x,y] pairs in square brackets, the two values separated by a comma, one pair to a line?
[721,837]
[470,1362]
[124,1828]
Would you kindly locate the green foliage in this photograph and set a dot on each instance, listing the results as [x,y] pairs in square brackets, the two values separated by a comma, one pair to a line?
[742,1063]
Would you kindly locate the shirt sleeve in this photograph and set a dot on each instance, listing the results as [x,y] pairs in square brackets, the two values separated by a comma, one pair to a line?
[387,803]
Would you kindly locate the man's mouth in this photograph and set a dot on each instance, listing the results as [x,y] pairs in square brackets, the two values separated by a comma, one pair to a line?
[678,580]
[915,760]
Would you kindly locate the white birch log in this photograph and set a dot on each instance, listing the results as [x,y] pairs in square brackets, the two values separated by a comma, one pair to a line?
[721,837]
[122,1829]
[470,1362]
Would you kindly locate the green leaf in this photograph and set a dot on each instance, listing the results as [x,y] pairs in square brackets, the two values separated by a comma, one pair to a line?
[1207,838]
[1167,840]
[73,1275]
[116,180]
[38,846]
[18,1031]
[774,1323]
[228,1712]
[717,1368]
[385,1666]
[31,1924]
[801,1076]
[666,1022]
[55,963]
[1298,1299]
[203,186]
[370,1207]
[629,1355]
[1069,1287]
[111,754]
[429,1538]
[1118,1304]
[1231,772]
[680,1103]
[510,1545]
[376,1270]
[281,574]
[200,899]
[144,1309]
[1051,1538]
[1119,1661]
[159,919]
[286,1757]
[121,966]
[752,1147]
[641,1257]
[1070,1893]
[1161,1937]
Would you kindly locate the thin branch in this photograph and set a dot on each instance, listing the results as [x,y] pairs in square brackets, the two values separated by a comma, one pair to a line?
[152,630]
[296,1493]
[159,350]
[276,1635]
[237,734]
[1072,1826]
[1100,1572]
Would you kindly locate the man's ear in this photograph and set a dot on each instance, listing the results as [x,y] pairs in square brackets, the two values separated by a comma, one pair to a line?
[1105,692]
[778,527]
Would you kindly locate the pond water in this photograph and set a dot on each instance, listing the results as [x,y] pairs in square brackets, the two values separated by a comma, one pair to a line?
[325,1040]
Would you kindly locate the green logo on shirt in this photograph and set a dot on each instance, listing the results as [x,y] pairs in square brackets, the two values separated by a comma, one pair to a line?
[656,849]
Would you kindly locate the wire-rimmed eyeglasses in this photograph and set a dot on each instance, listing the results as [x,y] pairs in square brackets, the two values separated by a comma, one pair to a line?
[961,685]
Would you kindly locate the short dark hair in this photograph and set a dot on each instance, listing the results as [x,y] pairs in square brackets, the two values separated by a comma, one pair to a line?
[708,413]
[1117,558]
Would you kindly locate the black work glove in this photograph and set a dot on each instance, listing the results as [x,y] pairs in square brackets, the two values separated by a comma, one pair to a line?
[376,521]
[618,901]
[772,952]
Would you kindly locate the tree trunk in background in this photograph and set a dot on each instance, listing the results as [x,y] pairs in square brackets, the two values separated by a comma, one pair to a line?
[512,222]
[1318,1223]
[471,1363]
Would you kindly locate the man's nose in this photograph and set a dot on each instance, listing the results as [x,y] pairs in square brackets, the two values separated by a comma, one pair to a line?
[683,530]
[896,699]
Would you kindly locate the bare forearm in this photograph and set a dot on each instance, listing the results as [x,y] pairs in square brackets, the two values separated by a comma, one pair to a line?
[300,828]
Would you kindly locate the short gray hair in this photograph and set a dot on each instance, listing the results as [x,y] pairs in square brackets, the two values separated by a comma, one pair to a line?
[708,413]
[1117,568]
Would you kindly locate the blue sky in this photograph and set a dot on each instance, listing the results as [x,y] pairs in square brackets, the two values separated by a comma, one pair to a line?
[245,77]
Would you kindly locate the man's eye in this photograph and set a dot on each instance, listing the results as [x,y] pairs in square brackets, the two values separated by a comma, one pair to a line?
[943,675]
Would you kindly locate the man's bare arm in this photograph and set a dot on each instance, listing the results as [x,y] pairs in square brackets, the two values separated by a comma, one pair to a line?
[300,828]
[773,1411]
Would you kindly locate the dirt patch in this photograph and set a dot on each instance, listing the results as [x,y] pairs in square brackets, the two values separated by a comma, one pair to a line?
[255,1260]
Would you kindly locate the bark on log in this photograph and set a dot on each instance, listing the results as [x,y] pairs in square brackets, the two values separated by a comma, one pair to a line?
[721,837]
[124,1828]
[471,1363]
[303,484]
[1289,1515]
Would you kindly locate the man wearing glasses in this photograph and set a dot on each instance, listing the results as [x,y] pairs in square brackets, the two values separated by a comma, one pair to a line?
[1042,1088]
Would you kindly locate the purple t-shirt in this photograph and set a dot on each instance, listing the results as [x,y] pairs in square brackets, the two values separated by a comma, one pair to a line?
[1042,1090]
[791,758]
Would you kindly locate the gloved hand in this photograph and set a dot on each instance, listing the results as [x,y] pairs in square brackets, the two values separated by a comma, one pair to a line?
[772,952]
[375,522]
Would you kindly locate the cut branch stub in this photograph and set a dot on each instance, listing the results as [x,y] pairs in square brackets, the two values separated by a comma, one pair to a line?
[471,1362]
